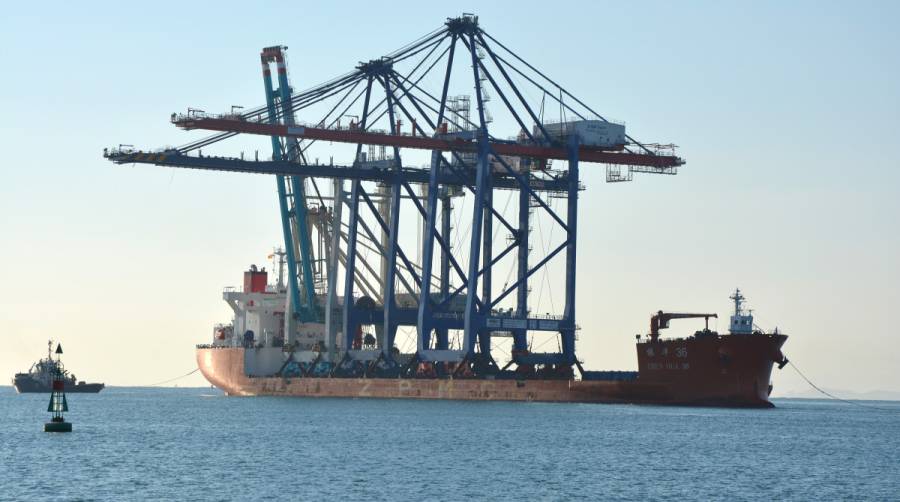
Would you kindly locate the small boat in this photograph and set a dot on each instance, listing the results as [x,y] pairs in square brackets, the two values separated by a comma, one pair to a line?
[39,377]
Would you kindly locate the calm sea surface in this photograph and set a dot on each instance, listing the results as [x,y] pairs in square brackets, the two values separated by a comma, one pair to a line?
[195,444]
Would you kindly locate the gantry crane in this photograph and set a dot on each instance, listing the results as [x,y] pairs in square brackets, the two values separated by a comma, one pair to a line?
[466,157]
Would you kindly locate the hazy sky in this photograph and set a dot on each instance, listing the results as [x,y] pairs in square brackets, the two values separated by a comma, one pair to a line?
[788,114]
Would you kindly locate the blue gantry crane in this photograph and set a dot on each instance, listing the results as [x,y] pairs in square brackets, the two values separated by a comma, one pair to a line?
[436,288]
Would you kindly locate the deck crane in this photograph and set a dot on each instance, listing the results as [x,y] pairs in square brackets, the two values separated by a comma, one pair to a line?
[660,320]
[466,158]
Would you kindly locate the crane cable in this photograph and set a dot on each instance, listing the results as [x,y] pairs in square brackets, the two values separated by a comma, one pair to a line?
[832,396]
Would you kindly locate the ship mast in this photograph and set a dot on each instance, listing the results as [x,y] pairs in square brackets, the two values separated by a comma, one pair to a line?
[738,300]
[280,253]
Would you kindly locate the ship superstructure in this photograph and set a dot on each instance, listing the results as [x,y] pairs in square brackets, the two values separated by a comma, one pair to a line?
[741,320]
[469,175]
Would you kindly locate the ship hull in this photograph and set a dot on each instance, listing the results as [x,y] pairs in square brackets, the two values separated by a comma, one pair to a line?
[730,370]
[740,380]
[29,385]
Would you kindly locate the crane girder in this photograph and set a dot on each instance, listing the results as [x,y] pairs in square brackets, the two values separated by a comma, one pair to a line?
[284,168]
[586,154]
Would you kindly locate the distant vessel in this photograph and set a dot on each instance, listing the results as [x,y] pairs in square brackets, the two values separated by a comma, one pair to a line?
[40,377]
[250,358]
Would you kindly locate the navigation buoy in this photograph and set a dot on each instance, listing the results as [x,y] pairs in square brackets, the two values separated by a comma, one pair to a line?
[58,403]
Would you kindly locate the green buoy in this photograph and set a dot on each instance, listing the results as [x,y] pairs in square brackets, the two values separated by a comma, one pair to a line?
[58,403]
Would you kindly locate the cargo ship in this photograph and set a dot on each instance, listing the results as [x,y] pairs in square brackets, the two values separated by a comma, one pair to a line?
[39,378]
[248,357]
[329,326]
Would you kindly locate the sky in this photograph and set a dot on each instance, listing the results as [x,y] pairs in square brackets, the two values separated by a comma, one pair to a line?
[788,114]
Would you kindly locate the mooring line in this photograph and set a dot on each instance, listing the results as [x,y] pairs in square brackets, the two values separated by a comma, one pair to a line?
[832,396]
[173,379]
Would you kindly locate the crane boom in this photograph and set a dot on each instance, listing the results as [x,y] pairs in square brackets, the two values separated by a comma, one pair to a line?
[237,123]
[557,183]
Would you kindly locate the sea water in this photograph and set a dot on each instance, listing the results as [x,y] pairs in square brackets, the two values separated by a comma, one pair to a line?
[196,444]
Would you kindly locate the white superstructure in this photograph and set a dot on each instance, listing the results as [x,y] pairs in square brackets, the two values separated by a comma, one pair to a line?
[741,321]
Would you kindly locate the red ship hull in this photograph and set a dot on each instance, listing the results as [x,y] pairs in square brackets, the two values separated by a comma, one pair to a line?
[731,370]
